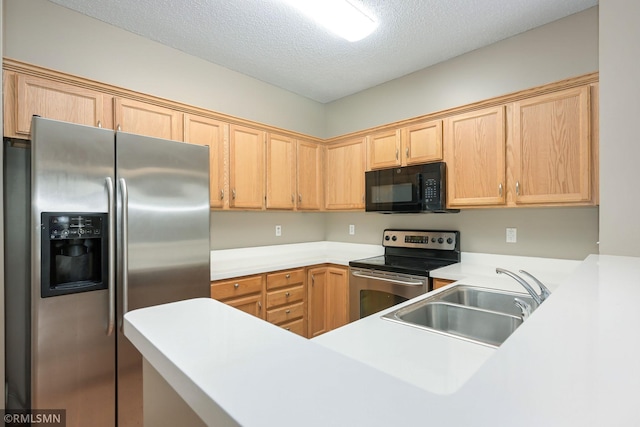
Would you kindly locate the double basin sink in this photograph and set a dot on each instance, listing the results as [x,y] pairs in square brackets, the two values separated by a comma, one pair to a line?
[481,315]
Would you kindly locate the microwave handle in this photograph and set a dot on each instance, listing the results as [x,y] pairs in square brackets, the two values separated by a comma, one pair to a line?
[419,187]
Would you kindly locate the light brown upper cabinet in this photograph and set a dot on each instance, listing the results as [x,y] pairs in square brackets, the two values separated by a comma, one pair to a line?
[147,119]
[552,148]
[345,175]
[246,167]
[205,131]
[422,143]
[25,96]
[281,172]
[474,150]
[309,176]
[383,149]
[419,143]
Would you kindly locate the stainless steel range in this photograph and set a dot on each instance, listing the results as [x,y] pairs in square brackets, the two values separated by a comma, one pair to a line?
[402,272]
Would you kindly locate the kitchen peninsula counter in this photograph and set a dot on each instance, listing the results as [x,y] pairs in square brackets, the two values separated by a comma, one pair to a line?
[571,363]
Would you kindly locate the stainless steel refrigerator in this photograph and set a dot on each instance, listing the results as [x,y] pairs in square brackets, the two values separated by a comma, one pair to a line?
[98,223]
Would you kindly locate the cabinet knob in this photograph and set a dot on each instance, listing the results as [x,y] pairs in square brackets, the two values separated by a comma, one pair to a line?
[397,153]
[288,276]
[407,152]
[288,311]
[518,188]
[236,285]
[222,194]
[99,124]
[118,128]
[287,295]
[500,190]
[233,194]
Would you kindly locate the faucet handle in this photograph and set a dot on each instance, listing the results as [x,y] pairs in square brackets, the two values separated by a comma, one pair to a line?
[525,308]
[544,291]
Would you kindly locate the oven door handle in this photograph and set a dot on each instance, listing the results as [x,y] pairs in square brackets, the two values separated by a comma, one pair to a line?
[385,279]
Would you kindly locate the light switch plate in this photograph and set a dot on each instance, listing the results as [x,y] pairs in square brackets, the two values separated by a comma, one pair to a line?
[512,235]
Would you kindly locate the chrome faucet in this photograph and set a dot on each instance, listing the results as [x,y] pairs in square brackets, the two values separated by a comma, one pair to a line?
[544,292]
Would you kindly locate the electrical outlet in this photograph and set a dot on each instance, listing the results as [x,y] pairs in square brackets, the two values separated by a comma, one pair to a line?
[352,229]
[512,235]
[278,230]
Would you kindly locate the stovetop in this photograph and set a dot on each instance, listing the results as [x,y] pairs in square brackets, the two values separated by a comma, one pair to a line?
[414,251]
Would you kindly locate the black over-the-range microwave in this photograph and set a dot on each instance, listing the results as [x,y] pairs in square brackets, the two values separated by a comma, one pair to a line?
[409,189]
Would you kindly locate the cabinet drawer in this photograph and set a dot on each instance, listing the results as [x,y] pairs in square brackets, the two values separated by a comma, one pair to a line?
[296,326]
[286,313]
[285,278]
[285,296]
[235,288]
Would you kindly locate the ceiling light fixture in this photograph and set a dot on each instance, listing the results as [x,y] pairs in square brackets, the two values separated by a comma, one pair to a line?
[342,17]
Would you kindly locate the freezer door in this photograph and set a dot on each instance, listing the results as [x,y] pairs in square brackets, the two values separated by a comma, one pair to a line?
[163,240]
[73,354]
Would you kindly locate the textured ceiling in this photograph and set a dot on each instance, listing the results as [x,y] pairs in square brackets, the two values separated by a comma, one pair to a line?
[269,41]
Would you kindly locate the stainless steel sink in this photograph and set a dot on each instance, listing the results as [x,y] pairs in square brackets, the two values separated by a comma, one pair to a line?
[473,324]
[480,315]
[488,299]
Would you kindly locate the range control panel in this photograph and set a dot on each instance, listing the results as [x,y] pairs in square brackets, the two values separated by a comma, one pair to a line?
[421,239]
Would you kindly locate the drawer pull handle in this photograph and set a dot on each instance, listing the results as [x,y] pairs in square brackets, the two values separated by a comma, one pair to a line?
[288,276]
[288,311]
[287,294]
[236,285]
[288,329]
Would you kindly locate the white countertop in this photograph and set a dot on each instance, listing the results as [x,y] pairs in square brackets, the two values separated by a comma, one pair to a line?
[573,362]
[227,263]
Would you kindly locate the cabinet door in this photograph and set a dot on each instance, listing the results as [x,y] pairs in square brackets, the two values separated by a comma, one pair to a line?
[551,148]
[281,172]
[474,150]
[345,175]
[205,131]
[317,301]
[422,143]
[337,310]
[383,149]
[147,119]
[251,304]
[49,99]
[246,167]
[309,176]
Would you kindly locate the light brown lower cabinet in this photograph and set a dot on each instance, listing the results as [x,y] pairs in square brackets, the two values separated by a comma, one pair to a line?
[439,283]
[328,292]
[243,293]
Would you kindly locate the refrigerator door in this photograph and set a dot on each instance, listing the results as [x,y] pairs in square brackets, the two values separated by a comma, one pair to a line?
[73,354]
[163,240]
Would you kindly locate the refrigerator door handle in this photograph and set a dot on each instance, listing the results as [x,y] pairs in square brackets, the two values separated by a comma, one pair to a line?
[124,193]
[111,255]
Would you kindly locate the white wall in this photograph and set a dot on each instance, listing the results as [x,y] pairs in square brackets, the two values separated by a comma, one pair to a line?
[619,136]
[45,34]
[564,48]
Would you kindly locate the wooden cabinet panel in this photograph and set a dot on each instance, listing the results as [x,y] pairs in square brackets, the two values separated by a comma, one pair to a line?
[552,148]
[285,296]
[205,131]
[383,149]
[295,326]
[285,278]
[345,175]
[474,149]
[251,304]
[317,301]
[338,297]
[147,119]
[439,283]
[422,143]
[309,176]
[246,167]
[226,289]
[285,314]
[50,99]
[281,172]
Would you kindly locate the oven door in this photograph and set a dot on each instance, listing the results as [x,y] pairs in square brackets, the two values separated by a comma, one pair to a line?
[394,190]
[371,291]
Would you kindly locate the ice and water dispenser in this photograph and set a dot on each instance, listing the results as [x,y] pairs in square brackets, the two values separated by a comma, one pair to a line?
[74,252]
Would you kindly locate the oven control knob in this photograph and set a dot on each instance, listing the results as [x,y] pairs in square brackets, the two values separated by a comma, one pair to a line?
[449,240]
[386,238]
[440,240]
[433,240]
[394,238]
